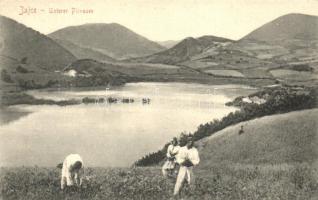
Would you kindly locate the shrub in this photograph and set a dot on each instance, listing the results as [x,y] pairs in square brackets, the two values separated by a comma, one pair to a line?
[302,67]
[21,69]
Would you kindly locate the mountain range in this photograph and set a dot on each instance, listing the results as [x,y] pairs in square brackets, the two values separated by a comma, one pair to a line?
[288,39]
[283,49]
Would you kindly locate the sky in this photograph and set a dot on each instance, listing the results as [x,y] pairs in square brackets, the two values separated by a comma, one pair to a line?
[158,20]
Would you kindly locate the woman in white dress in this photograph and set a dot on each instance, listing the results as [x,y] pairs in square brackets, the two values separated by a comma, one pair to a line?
[170,164]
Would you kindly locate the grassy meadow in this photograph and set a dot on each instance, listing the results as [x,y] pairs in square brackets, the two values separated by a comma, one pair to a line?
[278,139]
[218,182]
[275,158]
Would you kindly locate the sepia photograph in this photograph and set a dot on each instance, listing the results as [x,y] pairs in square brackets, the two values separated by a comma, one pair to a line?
[159,99]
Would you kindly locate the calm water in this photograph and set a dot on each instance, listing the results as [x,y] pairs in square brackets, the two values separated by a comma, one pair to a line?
[111,134]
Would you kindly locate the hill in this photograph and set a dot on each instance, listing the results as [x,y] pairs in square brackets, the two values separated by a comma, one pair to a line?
[279,139]
[22,43]
[291,26]
[272,51]
[84,52]
[184,50]
[289,39]
[111,39]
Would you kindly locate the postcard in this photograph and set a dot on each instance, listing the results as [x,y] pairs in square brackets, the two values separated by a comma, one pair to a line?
[147,99]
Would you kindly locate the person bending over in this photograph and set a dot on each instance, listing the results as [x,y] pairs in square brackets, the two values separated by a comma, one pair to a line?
[71,171]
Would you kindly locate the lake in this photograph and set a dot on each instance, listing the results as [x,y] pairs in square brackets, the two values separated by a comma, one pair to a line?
[112,135]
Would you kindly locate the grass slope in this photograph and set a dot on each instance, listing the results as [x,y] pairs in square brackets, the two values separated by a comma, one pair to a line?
[279,139]
[222,183]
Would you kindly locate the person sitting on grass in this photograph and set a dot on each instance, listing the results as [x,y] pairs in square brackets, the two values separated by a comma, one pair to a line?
[71,170]
[170,164]
[187,158]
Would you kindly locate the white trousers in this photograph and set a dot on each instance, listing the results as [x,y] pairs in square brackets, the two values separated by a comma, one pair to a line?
[69,180]
[185,173]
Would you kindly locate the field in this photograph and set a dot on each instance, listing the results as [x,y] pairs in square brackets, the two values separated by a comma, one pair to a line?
[232,73]
[223,182]
[292,74]
[275,158]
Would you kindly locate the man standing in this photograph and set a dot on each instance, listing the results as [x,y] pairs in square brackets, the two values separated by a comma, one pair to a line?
[187,158]
[241,131]
[170,164]
[72,166]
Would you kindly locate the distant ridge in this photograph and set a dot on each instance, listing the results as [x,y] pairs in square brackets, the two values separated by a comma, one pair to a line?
[112,39]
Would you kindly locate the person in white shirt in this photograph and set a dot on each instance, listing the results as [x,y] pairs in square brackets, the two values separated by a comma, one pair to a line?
[187,158]
[72,167]
[170,164]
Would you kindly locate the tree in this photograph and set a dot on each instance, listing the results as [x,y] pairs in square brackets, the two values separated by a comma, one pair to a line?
[22,69]
[24,60]
[5,76]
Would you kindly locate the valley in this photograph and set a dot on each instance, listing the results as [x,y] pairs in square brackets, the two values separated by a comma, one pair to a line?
[103,89]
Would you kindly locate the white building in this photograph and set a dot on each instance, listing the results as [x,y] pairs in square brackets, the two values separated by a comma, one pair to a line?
[71,73]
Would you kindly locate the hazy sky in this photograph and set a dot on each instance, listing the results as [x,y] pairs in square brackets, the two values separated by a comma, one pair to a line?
[160,19]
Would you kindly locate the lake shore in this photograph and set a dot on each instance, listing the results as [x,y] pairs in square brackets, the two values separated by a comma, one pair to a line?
[21,98]
[9,114]
[170,111]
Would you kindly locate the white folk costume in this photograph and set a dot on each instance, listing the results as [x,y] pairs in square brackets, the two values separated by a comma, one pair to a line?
[69,175]
[170,164]
[187,158]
